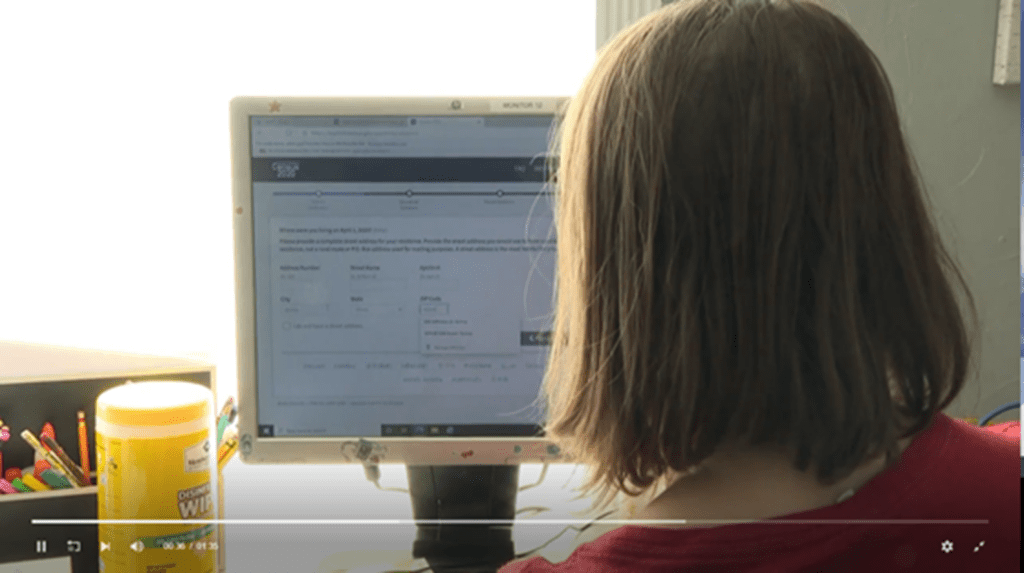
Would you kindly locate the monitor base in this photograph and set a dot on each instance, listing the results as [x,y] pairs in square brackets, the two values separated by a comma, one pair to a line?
[464,493]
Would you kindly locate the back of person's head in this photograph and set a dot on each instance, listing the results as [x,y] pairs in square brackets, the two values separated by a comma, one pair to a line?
[745,253]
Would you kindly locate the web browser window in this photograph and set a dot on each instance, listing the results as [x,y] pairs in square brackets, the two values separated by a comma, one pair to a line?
[403,274]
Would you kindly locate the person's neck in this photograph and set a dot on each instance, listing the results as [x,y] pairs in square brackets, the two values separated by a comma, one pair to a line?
[751,485]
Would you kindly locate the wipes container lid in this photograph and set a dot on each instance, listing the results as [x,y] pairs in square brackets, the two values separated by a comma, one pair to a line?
[155,404]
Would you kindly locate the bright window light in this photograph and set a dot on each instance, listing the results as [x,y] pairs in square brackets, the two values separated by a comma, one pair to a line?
[115,230]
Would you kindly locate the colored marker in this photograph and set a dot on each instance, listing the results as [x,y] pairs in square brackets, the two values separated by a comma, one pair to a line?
[34,483]
[48,431]
[41,466]
[227,449]
[55,480]
[222,424]
[65,460]
[16,482]
[229,404]
[5,434]
[6,487]
[83,446]
[50,457]
[225,417]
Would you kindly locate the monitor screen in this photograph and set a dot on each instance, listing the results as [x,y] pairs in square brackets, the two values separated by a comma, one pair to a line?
[399,273]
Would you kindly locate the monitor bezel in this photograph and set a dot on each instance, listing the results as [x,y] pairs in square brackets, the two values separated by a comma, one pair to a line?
[423,450]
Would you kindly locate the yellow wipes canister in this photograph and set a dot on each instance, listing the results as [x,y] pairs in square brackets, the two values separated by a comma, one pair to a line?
[157,460]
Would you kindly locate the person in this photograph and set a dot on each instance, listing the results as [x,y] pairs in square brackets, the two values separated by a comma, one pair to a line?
[755,316]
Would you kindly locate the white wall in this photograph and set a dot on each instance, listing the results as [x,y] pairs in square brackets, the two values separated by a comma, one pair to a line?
[963,130]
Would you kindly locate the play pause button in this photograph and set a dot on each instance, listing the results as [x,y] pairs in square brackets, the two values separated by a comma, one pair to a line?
[40,546]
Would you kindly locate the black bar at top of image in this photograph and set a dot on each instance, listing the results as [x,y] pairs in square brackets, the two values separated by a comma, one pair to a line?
[399,169]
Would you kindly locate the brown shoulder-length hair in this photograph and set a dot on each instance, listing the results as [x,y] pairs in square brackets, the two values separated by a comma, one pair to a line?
[745,254]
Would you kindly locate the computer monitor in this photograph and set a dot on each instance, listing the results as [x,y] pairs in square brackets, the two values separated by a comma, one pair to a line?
[394,269]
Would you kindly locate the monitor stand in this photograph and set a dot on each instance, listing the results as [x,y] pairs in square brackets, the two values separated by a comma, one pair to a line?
[464,493]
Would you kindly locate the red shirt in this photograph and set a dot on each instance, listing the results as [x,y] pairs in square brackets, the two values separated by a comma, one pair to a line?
[950,471]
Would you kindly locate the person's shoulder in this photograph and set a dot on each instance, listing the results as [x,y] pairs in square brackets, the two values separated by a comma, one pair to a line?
[966,451]
[1001,441]
[594,556]
[968,470]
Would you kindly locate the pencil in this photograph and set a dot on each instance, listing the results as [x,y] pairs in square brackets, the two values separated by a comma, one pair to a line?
[50,457]
[83,446]
[5,434]
[63,456]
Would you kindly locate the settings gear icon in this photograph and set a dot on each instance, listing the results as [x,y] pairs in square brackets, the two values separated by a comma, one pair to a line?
[947,546]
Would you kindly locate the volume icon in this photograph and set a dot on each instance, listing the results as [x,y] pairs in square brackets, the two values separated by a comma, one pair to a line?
[138,546]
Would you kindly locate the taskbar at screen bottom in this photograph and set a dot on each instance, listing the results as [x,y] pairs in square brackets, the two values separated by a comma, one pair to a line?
[430,431]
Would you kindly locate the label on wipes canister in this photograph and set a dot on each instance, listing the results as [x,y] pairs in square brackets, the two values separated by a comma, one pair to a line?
[197,458]
[163,473]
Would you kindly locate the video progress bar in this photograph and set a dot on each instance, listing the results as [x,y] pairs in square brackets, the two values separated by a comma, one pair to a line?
[498,193]
[509,521]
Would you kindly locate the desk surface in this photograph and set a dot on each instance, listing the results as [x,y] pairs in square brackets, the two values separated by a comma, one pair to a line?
[342,492]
